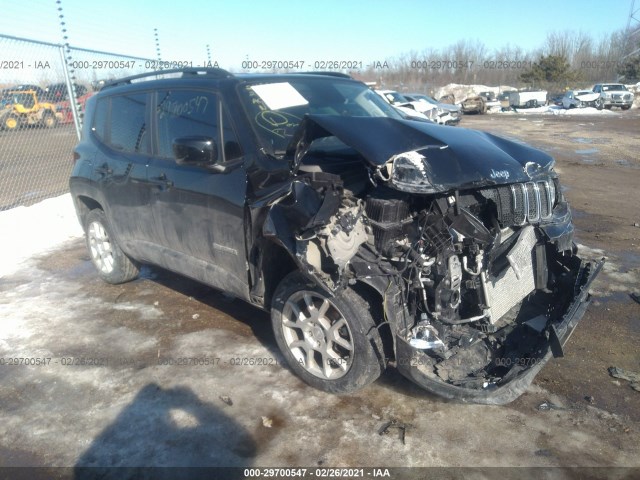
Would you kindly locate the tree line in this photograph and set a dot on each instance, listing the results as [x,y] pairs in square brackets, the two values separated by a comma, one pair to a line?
[567,59]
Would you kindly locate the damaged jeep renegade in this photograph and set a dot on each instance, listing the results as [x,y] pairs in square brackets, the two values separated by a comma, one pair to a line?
[372,239]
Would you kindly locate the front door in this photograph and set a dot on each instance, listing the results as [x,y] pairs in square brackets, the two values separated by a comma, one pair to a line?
[199,213]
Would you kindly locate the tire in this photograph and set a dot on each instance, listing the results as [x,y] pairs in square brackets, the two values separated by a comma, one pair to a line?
[49,120]
[608,107]
[625,107]
[111,262]
[11,122]
[358,349]
[599,104]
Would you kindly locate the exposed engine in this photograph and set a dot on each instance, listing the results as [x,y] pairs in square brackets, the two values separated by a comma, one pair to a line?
[471,264]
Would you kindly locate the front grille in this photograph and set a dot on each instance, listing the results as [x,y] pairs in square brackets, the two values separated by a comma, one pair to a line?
[522,203]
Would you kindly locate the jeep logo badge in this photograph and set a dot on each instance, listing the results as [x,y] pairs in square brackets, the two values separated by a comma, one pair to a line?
[499,174]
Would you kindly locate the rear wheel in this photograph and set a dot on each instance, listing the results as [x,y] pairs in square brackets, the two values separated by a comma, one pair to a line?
[112,263]
[331,342]
[49,120]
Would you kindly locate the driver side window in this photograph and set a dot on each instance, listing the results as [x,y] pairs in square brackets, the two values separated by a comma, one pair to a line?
[183,113]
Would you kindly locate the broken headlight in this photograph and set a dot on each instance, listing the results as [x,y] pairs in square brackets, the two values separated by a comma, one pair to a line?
[410,173]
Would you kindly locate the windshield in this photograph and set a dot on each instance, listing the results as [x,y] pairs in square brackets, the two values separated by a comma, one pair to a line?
[277,107]
[395,98]
[615,88]
[428,99]
[23,99]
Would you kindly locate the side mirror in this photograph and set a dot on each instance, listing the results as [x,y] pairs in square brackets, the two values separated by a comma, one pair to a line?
[195,150]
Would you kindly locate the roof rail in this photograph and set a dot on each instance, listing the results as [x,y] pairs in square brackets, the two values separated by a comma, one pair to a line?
[195,71]
[328,73]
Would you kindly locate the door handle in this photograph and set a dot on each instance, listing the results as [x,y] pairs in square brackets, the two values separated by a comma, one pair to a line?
[162,181]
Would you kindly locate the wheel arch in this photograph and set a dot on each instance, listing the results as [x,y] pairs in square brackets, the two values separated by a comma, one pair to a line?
[272,264]
[84,204]
[374,294]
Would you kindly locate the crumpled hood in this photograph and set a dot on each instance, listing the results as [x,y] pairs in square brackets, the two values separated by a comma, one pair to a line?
[456,157]
[588,97]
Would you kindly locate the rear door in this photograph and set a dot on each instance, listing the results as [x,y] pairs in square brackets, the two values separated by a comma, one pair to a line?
[199,213]
[120,169]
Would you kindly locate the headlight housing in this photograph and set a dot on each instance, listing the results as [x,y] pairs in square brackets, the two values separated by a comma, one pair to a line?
[410,173]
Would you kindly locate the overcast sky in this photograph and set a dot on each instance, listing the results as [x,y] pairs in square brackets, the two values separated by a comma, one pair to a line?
[304,30]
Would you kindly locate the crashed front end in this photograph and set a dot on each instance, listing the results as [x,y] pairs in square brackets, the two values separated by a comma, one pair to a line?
[488,306]
[469,245]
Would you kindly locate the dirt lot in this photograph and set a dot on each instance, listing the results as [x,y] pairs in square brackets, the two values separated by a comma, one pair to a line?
[131,407]
[35,163]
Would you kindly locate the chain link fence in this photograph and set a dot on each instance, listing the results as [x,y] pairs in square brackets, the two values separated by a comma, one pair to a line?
[43,89]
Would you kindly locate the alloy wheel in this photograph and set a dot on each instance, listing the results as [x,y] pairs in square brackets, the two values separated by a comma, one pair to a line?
[100,247]
[317,335]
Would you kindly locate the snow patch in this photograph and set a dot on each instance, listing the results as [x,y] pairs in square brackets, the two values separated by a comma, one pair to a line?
[34,230]
[615,277]
[461,92]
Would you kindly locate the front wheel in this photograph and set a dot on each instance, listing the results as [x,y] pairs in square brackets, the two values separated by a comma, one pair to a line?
[331,342]
[112,263]
[599,104]
[625,107]
[11,122]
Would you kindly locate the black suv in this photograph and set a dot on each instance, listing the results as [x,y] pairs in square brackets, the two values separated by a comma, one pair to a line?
[372,239]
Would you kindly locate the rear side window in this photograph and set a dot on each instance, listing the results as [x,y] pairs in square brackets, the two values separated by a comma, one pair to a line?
[184,113]
[100,118]
[129,130]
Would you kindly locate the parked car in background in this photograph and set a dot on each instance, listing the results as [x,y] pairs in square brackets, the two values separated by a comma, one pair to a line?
[480,103]
[614,95]
[448,98]
[555,99]
[58,92]
[64,107]
[370,239]
[474,104]
[407,107]
[582,99]
[446,113]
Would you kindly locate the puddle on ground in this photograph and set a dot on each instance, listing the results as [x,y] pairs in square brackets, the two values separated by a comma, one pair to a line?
[587,151]
[582,140]
[588,160]
[629,259]
[613,297]
[624,163]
